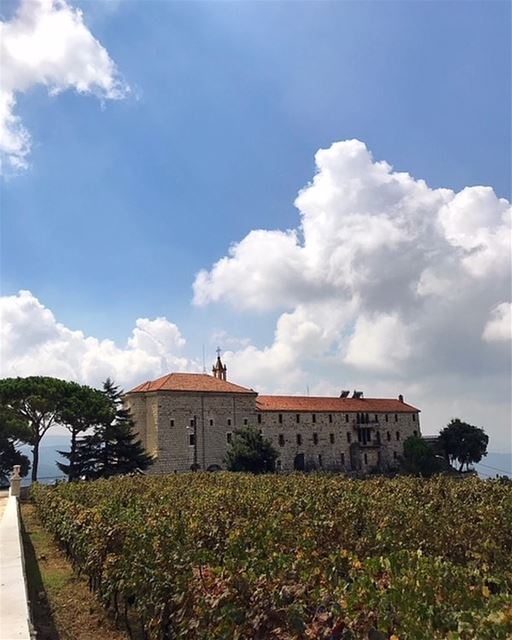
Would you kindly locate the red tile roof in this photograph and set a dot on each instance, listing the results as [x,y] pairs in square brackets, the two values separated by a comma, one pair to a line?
[319,404]
[190,382]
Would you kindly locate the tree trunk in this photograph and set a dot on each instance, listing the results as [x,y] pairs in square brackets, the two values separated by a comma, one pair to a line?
[72,451]
[35,460]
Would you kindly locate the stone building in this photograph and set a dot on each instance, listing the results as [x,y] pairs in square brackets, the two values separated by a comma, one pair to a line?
[187,420]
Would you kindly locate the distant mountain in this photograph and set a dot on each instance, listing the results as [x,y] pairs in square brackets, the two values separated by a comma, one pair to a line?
[48,471]
[495,463]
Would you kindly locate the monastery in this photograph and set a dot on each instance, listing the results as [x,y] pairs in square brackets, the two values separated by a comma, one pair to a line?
[187,421]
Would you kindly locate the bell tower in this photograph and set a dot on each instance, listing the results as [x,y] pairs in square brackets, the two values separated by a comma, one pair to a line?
[219,370]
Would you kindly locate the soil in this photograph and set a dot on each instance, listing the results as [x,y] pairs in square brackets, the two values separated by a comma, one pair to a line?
[62,606]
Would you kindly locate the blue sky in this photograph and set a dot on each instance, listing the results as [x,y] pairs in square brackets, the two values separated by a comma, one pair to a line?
[125,201]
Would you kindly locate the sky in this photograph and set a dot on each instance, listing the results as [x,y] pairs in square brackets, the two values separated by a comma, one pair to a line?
[321,189]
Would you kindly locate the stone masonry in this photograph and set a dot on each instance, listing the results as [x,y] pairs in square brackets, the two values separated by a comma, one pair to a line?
[188,420]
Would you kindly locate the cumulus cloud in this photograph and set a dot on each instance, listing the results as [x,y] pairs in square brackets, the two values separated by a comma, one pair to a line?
[47,42]
[499,326]
[35,343]
[384,281]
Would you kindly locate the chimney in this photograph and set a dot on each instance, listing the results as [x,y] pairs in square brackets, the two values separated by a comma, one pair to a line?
[401,398]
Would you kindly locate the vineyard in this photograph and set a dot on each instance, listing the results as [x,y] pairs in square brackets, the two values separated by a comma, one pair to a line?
[226,556]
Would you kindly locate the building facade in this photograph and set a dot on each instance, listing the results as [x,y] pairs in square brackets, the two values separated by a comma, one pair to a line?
[187,421]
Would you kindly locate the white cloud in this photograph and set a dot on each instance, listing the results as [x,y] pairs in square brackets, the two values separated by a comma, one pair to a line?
[35,343]
[499,325]
[384,284]
[48,43]
[380,343]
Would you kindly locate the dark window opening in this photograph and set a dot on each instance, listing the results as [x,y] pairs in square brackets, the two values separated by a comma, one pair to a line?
[349,437]
[342,458]
[229,422]
[320,461]
[192,422]
[259,418]
[192,439]
[414,417]
[281,440]
[415,433]
[346,417]
[280,418]
[330,417]
[315,438]
[366,458]
[313,417]
[172,423]
[376,418]
[386,417]
[297,418]
[211,423]
[331,438]
[229,437]
[388,434]
[299,439]
[396,418]
[245,421]
[395,456]
[398,435]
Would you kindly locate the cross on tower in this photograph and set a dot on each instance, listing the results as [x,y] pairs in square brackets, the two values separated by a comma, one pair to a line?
[218,352]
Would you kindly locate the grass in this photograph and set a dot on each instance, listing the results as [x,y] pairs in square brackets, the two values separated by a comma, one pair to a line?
[62,606]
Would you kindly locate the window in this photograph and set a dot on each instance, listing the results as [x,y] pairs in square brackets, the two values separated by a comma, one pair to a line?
[320,461]
[297,418]
[388,435]
[346,417]
[349,437]
[414,417]
[330,417]
[280,418]
[313,417]
[398,435]
[331,438]
[172,423]
[366,458]
[377,435]
[259,418]
[229,422]
[376,418]
[396,418]
[342,458]
[211,423]
[192,422]
[315,438]
[395,456]
[281,440]
[229,437]
[245,421]
[386,417]
[299,439]
[191,439]
[415,433]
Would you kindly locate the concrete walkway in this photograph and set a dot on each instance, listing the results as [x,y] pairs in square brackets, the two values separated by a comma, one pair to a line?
[14,612]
